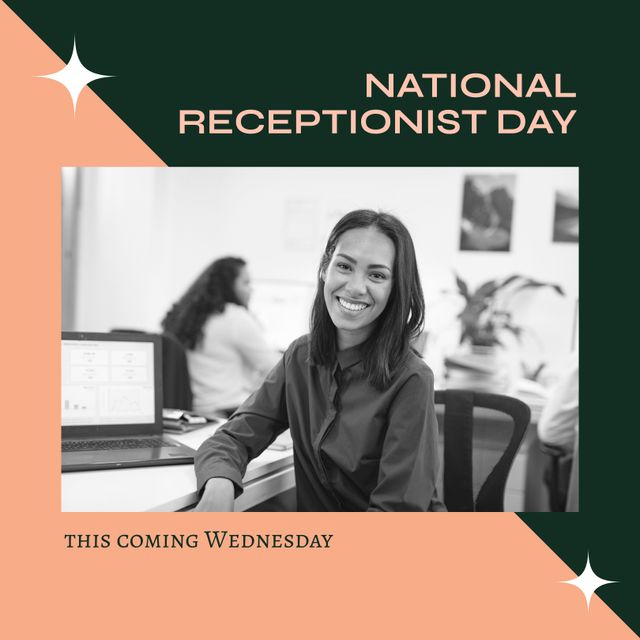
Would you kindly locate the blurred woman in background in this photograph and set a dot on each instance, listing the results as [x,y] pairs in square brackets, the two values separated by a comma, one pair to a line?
[227,353]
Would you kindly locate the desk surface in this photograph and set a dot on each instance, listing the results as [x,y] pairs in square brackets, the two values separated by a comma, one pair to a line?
[172,487]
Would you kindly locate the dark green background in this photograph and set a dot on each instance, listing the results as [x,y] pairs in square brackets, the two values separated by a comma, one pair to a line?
[316,56]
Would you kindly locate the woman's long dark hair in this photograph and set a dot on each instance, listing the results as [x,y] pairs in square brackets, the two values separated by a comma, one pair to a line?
[206,296]
[402,319]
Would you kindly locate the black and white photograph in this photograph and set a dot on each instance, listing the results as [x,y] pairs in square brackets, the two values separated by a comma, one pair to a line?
[487,213]
[289,339]
[565,218]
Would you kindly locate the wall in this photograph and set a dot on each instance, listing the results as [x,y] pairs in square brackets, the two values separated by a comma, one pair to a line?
[145,233]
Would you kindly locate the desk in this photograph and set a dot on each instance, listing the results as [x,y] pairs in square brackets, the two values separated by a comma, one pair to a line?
[172,487]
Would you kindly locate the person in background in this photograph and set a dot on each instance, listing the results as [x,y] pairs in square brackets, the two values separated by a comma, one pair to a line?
[558,432]
[359,402]
[227,353]
[558,424]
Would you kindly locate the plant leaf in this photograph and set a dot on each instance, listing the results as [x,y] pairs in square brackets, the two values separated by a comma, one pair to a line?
[535,284]
[516,331]
[462,286]
[510,279]
[486,290]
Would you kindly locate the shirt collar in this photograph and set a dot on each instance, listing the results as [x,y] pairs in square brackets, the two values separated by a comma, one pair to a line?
[349,357]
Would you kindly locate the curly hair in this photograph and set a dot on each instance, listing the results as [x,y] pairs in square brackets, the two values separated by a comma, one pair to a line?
[208,295]
[402,319]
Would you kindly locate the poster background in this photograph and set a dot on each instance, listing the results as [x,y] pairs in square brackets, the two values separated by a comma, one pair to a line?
[454,575]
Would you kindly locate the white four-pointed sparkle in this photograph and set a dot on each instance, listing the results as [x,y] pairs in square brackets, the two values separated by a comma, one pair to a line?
[74,76]
[588,582]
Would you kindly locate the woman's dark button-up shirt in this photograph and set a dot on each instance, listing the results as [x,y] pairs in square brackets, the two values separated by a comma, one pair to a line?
[355,448]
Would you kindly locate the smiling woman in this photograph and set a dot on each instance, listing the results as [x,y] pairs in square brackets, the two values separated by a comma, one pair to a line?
[357,283]
[357,399]
[382,274]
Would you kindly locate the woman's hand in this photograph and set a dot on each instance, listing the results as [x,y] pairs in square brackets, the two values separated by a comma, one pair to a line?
[217,496]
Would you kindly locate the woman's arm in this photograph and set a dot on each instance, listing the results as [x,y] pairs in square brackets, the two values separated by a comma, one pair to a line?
[409,462]
[251,429]
[558,422]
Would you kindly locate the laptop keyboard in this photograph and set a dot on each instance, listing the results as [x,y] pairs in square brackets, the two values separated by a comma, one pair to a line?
[126,443]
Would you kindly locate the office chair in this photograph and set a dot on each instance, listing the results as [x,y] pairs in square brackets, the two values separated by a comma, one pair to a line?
[557,473]
[458,426]
[176,383]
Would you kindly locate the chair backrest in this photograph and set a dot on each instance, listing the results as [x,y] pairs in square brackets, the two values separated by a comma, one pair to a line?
[175,375]
[176,383]
[458,448]
[557,474]
[573,497]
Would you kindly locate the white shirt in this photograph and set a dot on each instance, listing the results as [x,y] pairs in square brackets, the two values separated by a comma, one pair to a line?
[230,362]
[558,424]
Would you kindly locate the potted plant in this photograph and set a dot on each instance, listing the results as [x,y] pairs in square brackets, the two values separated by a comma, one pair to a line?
[486,314]
[480,362]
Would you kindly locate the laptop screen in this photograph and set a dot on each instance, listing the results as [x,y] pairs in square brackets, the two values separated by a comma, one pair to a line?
[108,379]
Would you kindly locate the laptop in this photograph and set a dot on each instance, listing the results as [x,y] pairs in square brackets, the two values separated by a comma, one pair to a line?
[112,403]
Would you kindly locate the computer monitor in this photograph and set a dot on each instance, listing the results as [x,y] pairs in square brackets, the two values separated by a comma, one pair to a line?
[111,383]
